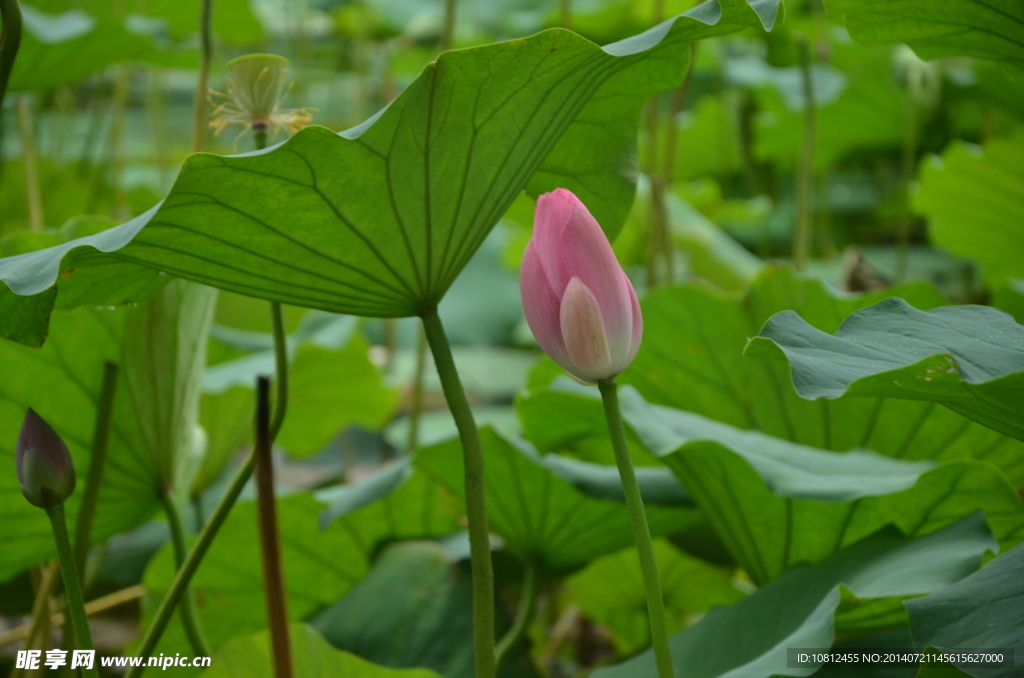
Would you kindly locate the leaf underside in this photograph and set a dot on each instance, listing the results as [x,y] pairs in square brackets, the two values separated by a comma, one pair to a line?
[380,219]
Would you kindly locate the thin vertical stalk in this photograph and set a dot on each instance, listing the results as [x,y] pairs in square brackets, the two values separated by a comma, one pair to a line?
[122,82]
[267,428]
[270,546]
[187,606]
[205,55]
[641,533]
[10,41]
[155,106]
[281,368]
[97,462]
[39,626]
[524,614]
[416,401]
[390,344]
[906,174]
[448,36]
[678,99]
[476,507]
[565,20]
[805,178]
[661,181]
[192,561]
[657,216]
[30,162]
[72,589]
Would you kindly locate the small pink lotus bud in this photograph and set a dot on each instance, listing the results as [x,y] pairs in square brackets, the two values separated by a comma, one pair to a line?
[579,303]
[45,470]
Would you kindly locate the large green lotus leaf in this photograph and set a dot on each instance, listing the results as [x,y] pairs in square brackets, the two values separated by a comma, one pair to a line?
[312,657]
[981,611]
[62,382]
[163,359]
[969,358]
[974,200]
[749,639]
[611,591]
[414,608]
[768,530]
[775,504]
[692,358]
[320,565]
[61,49]
[987,29]
[89,278]
[27,319]
[380,219]
[542,517]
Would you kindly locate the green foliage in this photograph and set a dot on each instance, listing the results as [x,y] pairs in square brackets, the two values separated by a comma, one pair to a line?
[969,358]
[249,657]
[974,200]
[776,504]
[801,604]
[977,612]
[543,518]
[60,49]
[526,109]
[163,359]
[987,29]
[692,359]
[611,591]
[414,608]
[320,565]
[62,382]
[332,383]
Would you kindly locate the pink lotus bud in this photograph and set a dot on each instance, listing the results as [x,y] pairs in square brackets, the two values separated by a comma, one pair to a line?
[45,471]
[578,301]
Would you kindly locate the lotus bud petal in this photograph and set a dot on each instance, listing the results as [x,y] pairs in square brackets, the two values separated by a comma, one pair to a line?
[580,305]
[45,469]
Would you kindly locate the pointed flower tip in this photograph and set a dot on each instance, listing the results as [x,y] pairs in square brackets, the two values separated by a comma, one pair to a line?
[45,470]
[579,303]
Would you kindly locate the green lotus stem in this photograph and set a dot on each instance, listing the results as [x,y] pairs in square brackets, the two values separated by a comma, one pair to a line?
[416,402]
[565,21]
[187,606]
[39,626]
[259,137]
[192,561]
[524,614]
[476,506]
[72,588]
[448,36]
[97,462]
[641,533]
[281,368]
[10,41]
[805,176]
[270,539]
[29,159]
[205,54]
[122,85]
[909,152]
